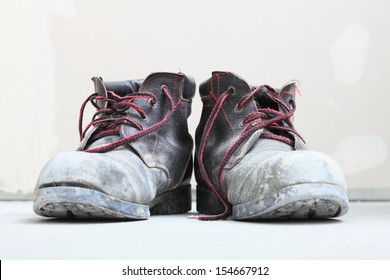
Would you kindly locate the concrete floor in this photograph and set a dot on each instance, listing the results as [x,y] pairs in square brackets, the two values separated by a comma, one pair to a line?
[364,233]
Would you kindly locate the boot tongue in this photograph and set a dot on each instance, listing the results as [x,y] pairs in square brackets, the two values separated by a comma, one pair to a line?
[289,90]
[121,88]
[101,90]
[286,94]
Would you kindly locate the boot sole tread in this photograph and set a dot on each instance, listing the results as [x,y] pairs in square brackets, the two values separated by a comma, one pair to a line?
[84,203]
[297,202]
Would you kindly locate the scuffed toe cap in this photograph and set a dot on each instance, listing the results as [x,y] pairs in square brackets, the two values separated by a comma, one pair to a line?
[122,175]
[302,167]
[251,180]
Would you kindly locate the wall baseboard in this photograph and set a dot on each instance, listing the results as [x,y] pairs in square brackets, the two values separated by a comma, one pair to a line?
[369,194]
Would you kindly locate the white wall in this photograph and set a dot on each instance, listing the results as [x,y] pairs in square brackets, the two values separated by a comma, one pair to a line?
[339,50]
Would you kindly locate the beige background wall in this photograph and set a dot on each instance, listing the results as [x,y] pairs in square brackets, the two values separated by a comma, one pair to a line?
[339,50]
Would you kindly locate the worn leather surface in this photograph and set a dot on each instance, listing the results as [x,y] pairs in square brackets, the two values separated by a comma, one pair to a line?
[170,147]
[272,165]
[152,164]
[228,124]
[119,173]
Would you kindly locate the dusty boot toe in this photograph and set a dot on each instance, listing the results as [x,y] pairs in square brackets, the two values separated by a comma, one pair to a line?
[295,185]
[86,185]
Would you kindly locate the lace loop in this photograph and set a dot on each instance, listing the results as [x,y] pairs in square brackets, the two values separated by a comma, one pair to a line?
[270,118]
[109,118]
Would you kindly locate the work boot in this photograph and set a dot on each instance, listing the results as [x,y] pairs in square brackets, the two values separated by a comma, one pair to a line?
[135,157]
[252,163]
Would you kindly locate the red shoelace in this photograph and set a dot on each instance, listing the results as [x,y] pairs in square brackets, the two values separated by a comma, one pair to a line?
[271,119]
[109,118]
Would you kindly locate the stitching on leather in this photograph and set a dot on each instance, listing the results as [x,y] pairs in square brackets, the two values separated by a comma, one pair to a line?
[223,109]
[227,119]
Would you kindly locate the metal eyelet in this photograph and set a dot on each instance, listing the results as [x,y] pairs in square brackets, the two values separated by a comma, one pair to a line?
[232,88]
[152,103]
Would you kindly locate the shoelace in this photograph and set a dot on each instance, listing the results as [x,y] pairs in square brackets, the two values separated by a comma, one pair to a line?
[262,118]
[111,117]
[272,119]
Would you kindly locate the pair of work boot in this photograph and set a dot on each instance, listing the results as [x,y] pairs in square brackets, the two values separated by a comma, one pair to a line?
[135,156]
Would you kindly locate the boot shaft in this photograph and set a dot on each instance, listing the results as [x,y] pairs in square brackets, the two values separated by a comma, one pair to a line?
[231,121]
[164,141]
[234,118]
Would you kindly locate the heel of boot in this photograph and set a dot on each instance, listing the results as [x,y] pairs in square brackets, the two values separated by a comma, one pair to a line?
[177,201]
[207,202]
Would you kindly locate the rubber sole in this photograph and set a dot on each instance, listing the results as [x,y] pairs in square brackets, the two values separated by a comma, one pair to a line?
[84,203]
[300,202]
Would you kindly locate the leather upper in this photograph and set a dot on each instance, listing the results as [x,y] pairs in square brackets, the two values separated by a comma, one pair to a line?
[222,129]
[169,147]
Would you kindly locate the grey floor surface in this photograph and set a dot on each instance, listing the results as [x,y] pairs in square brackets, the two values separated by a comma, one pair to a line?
[364,233]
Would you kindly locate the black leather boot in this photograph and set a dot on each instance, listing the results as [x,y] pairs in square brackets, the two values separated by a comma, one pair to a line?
[135,157]
[252,163]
